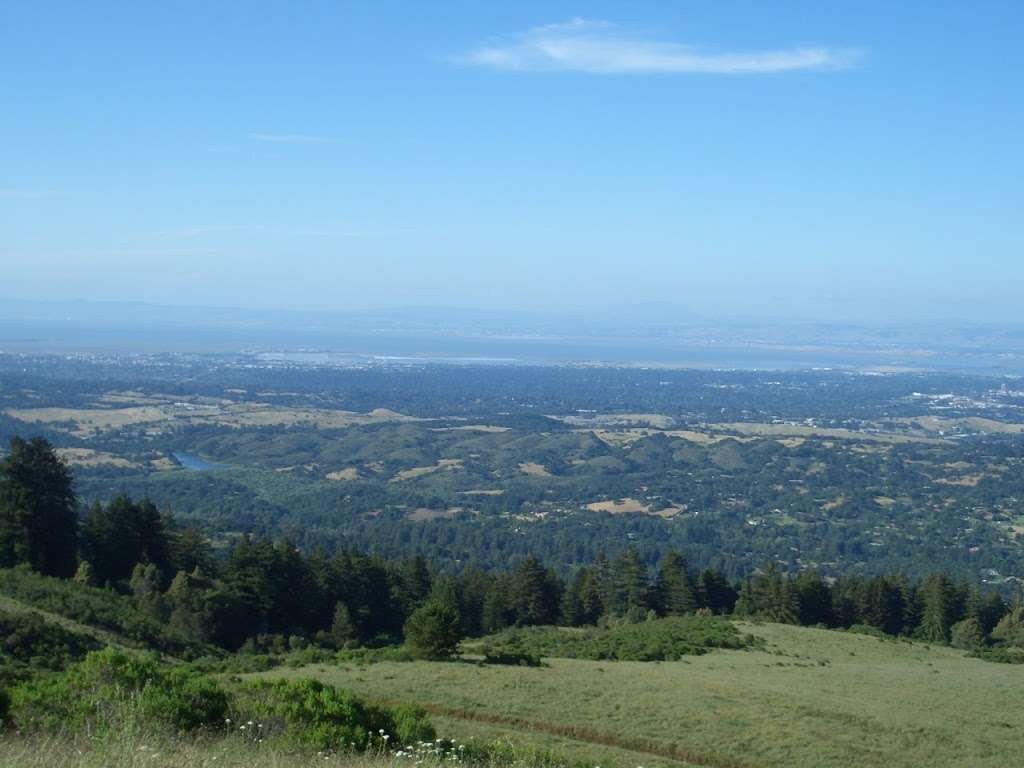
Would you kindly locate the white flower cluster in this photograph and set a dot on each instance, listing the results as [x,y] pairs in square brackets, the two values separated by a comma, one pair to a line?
[250,730]
[437,751]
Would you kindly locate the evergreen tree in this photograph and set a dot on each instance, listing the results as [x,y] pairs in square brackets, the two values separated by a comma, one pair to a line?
[343,631]
[814,599]
[535,593]
[1010,629]
[434,629]
[989,610]
[674,587]
[882,605]
[471,591]
[938,601]
[581,603]
[496,613]
[770,596]
[714,592]
[629,584]
[38,519]
[123,534]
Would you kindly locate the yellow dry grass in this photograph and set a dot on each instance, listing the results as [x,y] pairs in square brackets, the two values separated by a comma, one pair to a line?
[800,430]
[86,457]
[411,474]
[483,428]
[837,502]
[655,420]
[619,506]
[88,420]
[534,469]
[629,506]
[425,514]
[160,411]
[348,473]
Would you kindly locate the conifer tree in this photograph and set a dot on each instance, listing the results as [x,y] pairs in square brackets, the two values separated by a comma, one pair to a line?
[38,519]
[674,587]
[434,629]
[937,595]
[581,603]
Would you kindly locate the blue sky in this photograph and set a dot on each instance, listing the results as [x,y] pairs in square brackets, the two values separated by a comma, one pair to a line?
[856,160]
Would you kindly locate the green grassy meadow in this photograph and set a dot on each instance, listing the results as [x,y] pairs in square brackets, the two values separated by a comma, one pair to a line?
[809,698]
[162,752]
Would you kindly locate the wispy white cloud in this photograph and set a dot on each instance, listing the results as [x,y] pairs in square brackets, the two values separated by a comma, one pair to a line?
[286,138]
[599,47]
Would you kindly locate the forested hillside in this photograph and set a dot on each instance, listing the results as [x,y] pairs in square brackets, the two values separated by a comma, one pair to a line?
[481,466]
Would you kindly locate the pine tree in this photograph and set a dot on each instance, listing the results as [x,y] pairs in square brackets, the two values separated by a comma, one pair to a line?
[629,584]
[814,600]
[674,587]
[882,605]
[937,593]
[496,613]
[434,629]
[714,592]
[535,593]
[770,596]
[989,610]
[38,519]
[343,631]
[1010,629]
[581,603]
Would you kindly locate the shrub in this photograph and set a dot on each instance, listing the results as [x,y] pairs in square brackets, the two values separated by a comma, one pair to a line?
[1010,629]
[111,690]
[968,635]
[434,630]
[665,639]
[512,657]
[412,724]
[97,608]
[310,713]
[1003,654]
[868,629]
[30,644]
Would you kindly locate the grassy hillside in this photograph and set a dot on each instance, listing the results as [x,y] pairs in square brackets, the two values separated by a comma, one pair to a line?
[808,698]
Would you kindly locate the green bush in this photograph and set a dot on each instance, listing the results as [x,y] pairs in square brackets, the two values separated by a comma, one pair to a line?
[434,629]
[29,644]
[1003,654]
[665,639]
[5,705]
[111,690]
[310,713]
[967,634]
[511,657]
[100,608]
[412,724]
[868,629]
